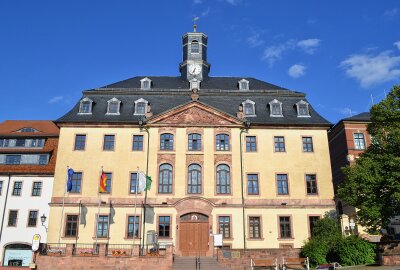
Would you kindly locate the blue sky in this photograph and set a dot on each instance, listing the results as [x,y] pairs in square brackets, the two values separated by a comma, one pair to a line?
[340,53]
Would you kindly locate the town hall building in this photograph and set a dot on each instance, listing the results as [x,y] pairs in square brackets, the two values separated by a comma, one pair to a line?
[230,156]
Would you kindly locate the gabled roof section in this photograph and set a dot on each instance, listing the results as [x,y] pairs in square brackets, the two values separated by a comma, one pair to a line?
[43,128]
[361,117]
[194,113]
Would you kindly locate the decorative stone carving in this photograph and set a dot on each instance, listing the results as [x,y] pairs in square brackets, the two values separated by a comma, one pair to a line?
[240,113]
[195,115]
[222,158]
[198,159]
[149,113]
[166,158]
[166,130]
[194,95]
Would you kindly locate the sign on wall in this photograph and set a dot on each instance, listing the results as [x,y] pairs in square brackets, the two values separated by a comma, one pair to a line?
[217,240]
[35,242]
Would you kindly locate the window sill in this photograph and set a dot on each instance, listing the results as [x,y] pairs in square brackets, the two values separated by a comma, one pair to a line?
[69,237]
[285,239]
[131,238]
[228,239]
[101,238]
[255,239]
[165,238]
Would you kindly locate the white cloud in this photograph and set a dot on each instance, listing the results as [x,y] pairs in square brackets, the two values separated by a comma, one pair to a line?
[370,70]
[297,70]
[273,53]
[197,2]
[347,111]
[309,45]
[55,100]
[205,12]
[397,44]
[391,12]
[233,2]
[255,40]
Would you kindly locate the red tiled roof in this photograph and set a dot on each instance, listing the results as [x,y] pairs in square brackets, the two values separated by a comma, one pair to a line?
[44,128]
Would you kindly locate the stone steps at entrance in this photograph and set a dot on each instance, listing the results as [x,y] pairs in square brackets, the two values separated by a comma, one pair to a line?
[189,263]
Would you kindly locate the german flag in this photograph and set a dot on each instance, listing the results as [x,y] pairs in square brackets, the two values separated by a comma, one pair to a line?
[103,183]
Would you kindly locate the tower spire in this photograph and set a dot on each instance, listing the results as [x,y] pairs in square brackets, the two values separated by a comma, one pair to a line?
[195,19]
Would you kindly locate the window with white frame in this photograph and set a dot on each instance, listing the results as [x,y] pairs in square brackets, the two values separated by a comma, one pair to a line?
[85,106]
[275,107]
[194,47]
[243,84]
[302,109]
[141,106]
[249,108]
[194,84]
[145,83]
[113,106]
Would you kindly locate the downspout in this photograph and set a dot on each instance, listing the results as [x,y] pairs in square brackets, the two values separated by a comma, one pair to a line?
[4,208]
[243,130]
[146,129]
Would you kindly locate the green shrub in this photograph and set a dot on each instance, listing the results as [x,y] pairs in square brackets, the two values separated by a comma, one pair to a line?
[353,250]
[316,252]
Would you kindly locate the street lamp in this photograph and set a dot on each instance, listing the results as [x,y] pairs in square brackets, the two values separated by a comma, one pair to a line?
[43,220]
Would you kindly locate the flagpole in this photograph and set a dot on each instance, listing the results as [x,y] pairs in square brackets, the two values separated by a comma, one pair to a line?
[98,211]
[134,213]
[62,211]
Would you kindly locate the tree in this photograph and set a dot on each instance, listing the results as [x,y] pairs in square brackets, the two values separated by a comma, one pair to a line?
[372,185]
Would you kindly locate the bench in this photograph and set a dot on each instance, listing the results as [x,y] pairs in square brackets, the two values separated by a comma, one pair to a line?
[264,264]
[295,263]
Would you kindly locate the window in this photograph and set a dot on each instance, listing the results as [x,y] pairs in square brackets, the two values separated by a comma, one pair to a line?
[113,106]
[80,142]
[311,180]
[1,187]
[102,226]
[85,106]
[282,183]
[109,141]
[17,189]
[243,84]
[195,47]
[141,106]
[76,182]
[165,179]
[43,159]
[252,184]
[12,218]
[71,226]
[137,143]
[312,221]
[307,144]
[27,129]
[167,141]
[13,159]
[285,228]
[224,226]
[223,179]
[164,226]
[222,142]
[145,83]
[32,218]
[359,142]
[194,179]
[22,143]
[133,226]
[194,143]
[37,188]
[133,183]
[275,108]
[302,108]
[254,227]
[279,142]
[109,182]
[248,107]
[251,144]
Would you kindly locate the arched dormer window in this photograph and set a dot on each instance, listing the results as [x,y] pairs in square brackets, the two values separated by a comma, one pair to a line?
[145,83]
[27,129]
[113,106]
[85,106]
[249,108]
[194,47]
[302,109]
[141,106]
[275,107]
[243,84]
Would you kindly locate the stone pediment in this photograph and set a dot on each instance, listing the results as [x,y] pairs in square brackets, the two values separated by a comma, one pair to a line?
[194,114]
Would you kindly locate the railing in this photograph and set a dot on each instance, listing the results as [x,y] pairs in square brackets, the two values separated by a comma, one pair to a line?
[85,249]
[53,249]
[159,249]
[122,250]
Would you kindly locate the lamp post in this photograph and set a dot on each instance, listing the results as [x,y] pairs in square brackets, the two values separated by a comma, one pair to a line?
[43,220]
[243,130]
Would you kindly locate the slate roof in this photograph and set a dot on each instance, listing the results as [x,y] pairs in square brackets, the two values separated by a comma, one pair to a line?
[362,117]
[218,92]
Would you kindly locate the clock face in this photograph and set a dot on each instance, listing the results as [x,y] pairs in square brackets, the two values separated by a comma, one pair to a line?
[194,69]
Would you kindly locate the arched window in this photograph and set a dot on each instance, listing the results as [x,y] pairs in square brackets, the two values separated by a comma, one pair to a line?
[222,142]
[167,141]
[145,83]
[243,84]
[113,106]
[195,46]
[275,108]
[194,142]
[85,106]
[249,108]
[223,179]
[165,179]
[141,106]
[194,179]
[302,109]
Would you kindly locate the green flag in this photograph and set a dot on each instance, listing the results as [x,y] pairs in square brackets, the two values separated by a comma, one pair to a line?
[148,182]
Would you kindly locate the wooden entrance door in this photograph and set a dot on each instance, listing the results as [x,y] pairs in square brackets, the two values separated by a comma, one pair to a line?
[193,238]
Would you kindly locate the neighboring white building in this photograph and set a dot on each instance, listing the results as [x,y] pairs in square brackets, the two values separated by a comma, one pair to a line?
[28,152]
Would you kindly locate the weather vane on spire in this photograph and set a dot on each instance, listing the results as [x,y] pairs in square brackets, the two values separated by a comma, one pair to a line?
[195,19]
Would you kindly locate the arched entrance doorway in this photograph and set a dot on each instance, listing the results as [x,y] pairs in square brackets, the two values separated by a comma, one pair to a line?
[194,234]
[17,255]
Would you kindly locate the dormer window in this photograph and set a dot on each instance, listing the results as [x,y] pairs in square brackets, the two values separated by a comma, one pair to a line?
[145,83]
[243,84]
[27,129]
[85,106]
[194,48]
[302,109]
[249,108]
[275,107]
[194,84]
[113,106]
[141,106]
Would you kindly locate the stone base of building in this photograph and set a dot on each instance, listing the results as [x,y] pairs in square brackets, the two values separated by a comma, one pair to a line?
[68,261]
[240,259]
[389,253]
